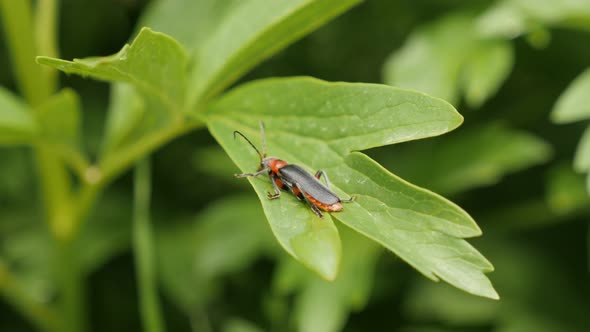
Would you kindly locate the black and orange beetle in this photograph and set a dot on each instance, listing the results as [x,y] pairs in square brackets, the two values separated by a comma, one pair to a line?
[295,179]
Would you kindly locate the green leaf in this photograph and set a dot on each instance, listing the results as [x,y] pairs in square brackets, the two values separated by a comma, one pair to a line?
[447,58]
[251,32]
[17,125]
[124,122]
[486,68]
[317,124]
[188,21]
[225,238]
[573,104]
[468,158]
[240,325]
[582,158]
[512,18]
[566,191]
[59,120]
[503,19]
[154,63]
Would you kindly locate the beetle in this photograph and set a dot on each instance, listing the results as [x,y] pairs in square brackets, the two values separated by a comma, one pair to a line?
[295,179]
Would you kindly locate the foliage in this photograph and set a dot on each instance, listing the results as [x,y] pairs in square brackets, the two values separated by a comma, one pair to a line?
[193,72]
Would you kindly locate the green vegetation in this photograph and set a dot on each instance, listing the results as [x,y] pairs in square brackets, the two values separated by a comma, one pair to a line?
[401,102]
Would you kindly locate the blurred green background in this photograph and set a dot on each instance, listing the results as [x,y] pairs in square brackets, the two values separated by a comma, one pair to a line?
[508,165]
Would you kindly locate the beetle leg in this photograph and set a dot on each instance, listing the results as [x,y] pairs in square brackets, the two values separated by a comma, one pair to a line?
[350,200]
[244,175]
[319,174]
[314,208]
[277,193]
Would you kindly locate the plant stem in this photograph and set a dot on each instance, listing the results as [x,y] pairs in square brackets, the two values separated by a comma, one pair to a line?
[18,27]
[39,315]
[37,85]
[46,16]
[71,278]
[144,251]
[122,159]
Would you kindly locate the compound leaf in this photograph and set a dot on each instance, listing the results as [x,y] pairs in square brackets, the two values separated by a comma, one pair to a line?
[317,125]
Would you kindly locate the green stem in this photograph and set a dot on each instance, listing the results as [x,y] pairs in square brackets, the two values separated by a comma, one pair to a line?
[144,251]
[37,85]
[18,27]
[39,315]
[114,164]
[46,32]
[71,279]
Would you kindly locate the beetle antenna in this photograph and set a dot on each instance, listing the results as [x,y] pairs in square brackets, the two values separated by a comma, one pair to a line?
[262,138]
[249,142]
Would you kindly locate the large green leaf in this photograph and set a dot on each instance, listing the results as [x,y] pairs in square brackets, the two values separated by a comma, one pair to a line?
[317,125]
[251,32]
[448,58]
[154,63]
[574,104]
[17,125]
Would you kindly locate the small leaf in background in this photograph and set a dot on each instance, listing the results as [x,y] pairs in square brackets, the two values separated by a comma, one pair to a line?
[17,124]
[240,325]
[60,123]
[572,106]
[503,20]
[316,125]
[154,63]
[485,70]
[467,158]
[448,59]
[188,21]
[322,305]
[582,157]
[512,18]
[566,191]
[59,118]
[250,32]
[574,103]
[225,238]
[125,115]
